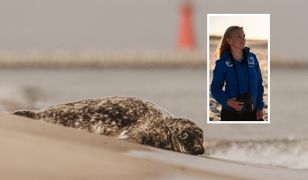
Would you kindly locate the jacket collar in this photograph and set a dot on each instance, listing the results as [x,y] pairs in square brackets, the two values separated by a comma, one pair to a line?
[227,55]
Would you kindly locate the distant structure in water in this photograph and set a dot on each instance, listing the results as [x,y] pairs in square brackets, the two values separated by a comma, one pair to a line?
[186,37]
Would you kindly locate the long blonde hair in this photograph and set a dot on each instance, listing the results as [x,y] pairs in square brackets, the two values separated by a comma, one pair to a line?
[224,45]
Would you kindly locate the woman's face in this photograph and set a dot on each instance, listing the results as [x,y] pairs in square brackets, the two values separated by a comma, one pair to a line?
[237,39]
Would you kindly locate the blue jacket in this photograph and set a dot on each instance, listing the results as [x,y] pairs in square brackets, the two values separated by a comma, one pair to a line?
[224,84]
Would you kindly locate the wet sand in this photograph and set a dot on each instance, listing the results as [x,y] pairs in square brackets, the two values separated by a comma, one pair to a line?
[38,150]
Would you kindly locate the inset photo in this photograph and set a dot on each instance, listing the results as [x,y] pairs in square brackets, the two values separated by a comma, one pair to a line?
[238,68]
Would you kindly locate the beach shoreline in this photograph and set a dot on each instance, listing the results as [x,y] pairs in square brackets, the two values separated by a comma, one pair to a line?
[36,149]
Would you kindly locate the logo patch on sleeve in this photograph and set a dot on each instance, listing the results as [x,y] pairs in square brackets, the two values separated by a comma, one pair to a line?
[229,63]
[251,60]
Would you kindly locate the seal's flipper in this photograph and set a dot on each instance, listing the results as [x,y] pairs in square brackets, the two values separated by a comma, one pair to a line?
[25,113]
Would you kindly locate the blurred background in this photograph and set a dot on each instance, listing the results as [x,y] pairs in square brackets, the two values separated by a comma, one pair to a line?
[58,51]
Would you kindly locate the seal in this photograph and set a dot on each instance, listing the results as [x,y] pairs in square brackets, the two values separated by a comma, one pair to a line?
[127,118]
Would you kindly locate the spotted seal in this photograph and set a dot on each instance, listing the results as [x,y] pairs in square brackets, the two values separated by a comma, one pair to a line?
[127,118]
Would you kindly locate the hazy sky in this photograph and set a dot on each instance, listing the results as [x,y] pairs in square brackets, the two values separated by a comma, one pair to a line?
[137,24]
[256,26]
[114,24]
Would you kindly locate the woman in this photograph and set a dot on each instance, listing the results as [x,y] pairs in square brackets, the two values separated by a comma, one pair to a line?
[237,80]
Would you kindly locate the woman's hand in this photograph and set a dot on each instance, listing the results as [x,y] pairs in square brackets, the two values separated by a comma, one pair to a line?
[237,105]
[259,114]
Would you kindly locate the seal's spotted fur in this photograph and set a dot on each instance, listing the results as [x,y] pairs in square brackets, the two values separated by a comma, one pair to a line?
[127,118]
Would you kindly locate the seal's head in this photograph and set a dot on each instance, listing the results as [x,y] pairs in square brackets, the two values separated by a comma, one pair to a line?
[186,136]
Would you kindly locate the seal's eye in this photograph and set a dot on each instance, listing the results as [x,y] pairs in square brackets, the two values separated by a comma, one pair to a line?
[184,135]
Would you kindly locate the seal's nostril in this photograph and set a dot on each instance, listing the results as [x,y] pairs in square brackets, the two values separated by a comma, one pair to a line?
[199,149]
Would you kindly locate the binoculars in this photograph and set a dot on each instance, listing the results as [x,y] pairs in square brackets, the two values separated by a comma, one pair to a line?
[247,99]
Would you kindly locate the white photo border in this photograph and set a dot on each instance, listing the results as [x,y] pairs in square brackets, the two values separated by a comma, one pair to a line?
[208,71]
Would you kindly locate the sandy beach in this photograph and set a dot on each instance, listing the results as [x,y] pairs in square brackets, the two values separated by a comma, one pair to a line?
[38,150]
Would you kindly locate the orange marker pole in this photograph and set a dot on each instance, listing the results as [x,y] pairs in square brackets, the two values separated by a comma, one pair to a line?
[186,38]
